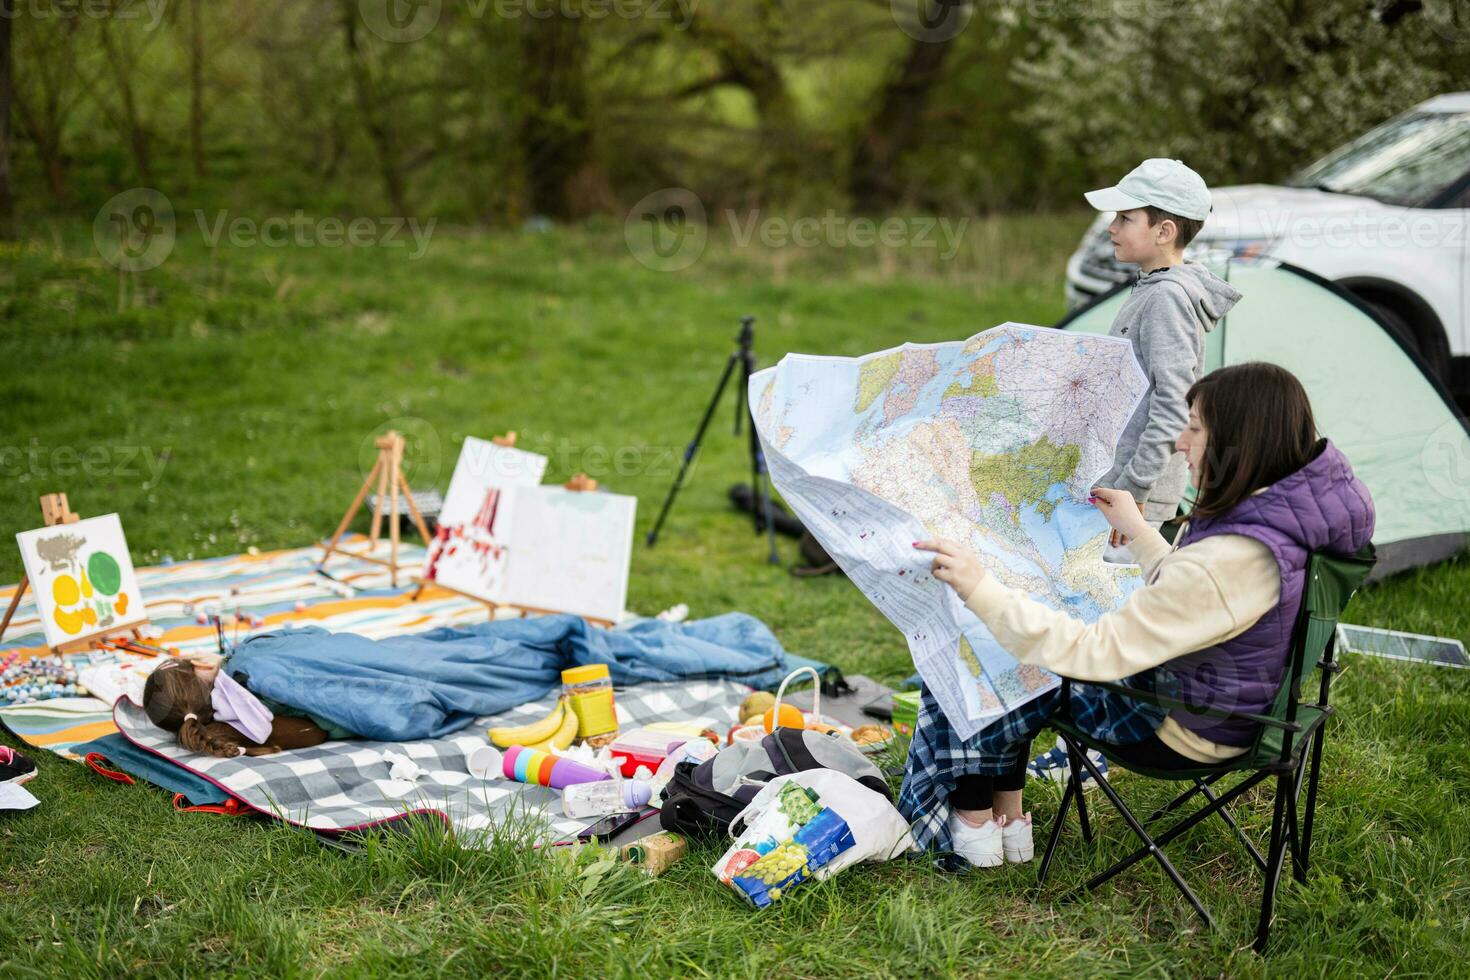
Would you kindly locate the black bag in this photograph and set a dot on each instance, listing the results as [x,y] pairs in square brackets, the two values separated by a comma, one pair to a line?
[702,798]
[818,562]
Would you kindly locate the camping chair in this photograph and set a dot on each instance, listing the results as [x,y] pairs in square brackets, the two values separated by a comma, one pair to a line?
[1288,747]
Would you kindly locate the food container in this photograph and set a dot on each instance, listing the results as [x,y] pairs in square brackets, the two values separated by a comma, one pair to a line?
[643,747]
[906,712]
[589,691]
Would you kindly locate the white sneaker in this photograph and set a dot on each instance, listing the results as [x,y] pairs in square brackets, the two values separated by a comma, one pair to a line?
[981,846]
[1016,839]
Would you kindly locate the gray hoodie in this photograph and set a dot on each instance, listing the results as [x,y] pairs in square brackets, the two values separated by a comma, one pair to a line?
[1166,315]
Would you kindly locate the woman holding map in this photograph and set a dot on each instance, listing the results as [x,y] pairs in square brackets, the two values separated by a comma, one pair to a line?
[1212,623]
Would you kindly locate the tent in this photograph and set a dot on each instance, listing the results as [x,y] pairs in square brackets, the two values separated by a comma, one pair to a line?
[1372,396]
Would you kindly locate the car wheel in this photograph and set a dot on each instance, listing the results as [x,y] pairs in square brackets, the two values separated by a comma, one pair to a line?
[1435,354]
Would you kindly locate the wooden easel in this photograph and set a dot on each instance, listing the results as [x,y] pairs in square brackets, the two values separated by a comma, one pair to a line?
[54,511]
[581,483]
[387,472]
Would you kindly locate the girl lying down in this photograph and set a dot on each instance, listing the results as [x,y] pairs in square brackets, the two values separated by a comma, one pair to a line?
[214,714]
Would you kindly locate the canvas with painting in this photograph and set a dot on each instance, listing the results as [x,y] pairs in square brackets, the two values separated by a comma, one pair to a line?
[82,579]
[469,551]
[505,539]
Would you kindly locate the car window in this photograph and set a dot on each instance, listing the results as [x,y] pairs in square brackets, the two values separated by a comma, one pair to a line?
[1407,161]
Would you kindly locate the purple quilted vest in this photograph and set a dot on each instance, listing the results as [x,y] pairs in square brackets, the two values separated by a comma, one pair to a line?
[1320,507]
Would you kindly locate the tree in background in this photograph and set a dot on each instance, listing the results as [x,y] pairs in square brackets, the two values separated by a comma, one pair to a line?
[50,84]
[196,89]
[570,108]
[7,196]
[1246,90]
[555,129]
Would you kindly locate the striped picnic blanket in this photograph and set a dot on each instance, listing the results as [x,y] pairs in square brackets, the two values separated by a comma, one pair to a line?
[268,585]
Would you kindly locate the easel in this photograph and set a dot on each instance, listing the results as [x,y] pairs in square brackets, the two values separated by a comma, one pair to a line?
[387,472]
[54,511]
[581,483]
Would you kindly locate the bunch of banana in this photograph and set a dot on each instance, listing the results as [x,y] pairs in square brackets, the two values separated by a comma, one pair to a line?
[557,730]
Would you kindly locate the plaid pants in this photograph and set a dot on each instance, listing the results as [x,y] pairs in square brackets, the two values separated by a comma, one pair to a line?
[937,756]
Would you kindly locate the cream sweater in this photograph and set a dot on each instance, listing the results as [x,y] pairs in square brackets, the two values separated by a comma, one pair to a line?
[1193,598]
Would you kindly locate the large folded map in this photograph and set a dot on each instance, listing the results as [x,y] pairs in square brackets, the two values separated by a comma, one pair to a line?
[994,442]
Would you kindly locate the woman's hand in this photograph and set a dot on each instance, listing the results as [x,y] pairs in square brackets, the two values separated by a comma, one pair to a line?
[955,565]
[1121,511]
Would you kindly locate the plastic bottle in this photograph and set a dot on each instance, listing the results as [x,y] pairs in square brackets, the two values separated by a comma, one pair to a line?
[583,800]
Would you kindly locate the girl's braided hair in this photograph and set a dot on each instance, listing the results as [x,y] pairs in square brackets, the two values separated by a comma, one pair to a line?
[176,700]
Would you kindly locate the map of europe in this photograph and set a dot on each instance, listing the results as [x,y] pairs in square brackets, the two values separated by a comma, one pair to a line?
[993,442]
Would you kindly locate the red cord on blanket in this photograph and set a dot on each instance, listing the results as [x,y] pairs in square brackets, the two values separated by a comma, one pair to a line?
[94,762]
[230,808]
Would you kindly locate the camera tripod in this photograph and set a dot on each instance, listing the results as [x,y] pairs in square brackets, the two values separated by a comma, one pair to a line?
[744,357]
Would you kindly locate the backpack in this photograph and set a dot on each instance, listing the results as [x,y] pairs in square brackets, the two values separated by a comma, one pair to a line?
[703,797]
[818,562]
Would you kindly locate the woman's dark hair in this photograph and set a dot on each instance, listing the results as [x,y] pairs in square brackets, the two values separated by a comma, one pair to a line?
[1259,429]
[176,700]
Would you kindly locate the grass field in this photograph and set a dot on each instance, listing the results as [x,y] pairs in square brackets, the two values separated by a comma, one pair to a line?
[227,400]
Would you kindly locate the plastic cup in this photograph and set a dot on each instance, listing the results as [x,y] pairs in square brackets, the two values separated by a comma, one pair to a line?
[484,762]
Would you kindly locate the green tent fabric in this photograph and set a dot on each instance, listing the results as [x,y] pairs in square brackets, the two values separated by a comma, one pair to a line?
[1371,396]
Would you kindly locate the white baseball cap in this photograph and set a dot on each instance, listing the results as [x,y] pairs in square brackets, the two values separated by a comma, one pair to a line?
[1166,184]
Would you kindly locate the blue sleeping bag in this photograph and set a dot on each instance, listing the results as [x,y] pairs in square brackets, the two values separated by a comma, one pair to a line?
[431,684]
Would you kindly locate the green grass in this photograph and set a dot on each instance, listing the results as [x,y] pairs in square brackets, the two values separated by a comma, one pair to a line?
[254,379]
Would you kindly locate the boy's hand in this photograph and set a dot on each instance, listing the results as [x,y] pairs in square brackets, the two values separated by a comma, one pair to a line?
[1121,511]
[955,565]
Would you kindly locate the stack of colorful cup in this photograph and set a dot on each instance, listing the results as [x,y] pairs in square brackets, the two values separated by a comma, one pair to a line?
[544,769]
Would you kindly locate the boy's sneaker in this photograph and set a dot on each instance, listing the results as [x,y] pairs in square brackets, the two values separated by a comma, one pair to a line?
[1016,839]
[1052,764]
[981,846]
[1118,554]
[14,767]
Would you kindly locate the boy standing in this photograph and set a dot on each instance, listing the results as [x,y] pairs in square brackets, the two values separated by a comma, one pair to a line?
[1160,207]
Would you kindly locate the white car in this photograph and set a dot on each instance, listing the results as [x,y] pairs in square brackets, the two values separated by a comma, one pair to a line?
[1385,217]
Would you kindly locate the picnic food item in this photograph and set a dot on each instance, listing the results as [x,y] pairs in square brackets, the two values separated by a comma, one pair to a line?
[531,734]
[589,693]
[655,854]
[644,747]
[747,733]
[563,737]
[871,734]
[783,846]
[786,716]
[756,703]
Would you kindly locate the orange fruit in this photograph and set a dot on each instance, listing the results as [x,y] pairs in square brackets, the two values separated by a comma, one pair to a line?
[790,717]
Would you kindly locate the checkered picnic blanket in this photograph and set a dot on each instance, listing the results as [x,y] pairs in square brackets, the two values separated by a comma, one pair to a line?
[345,785]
